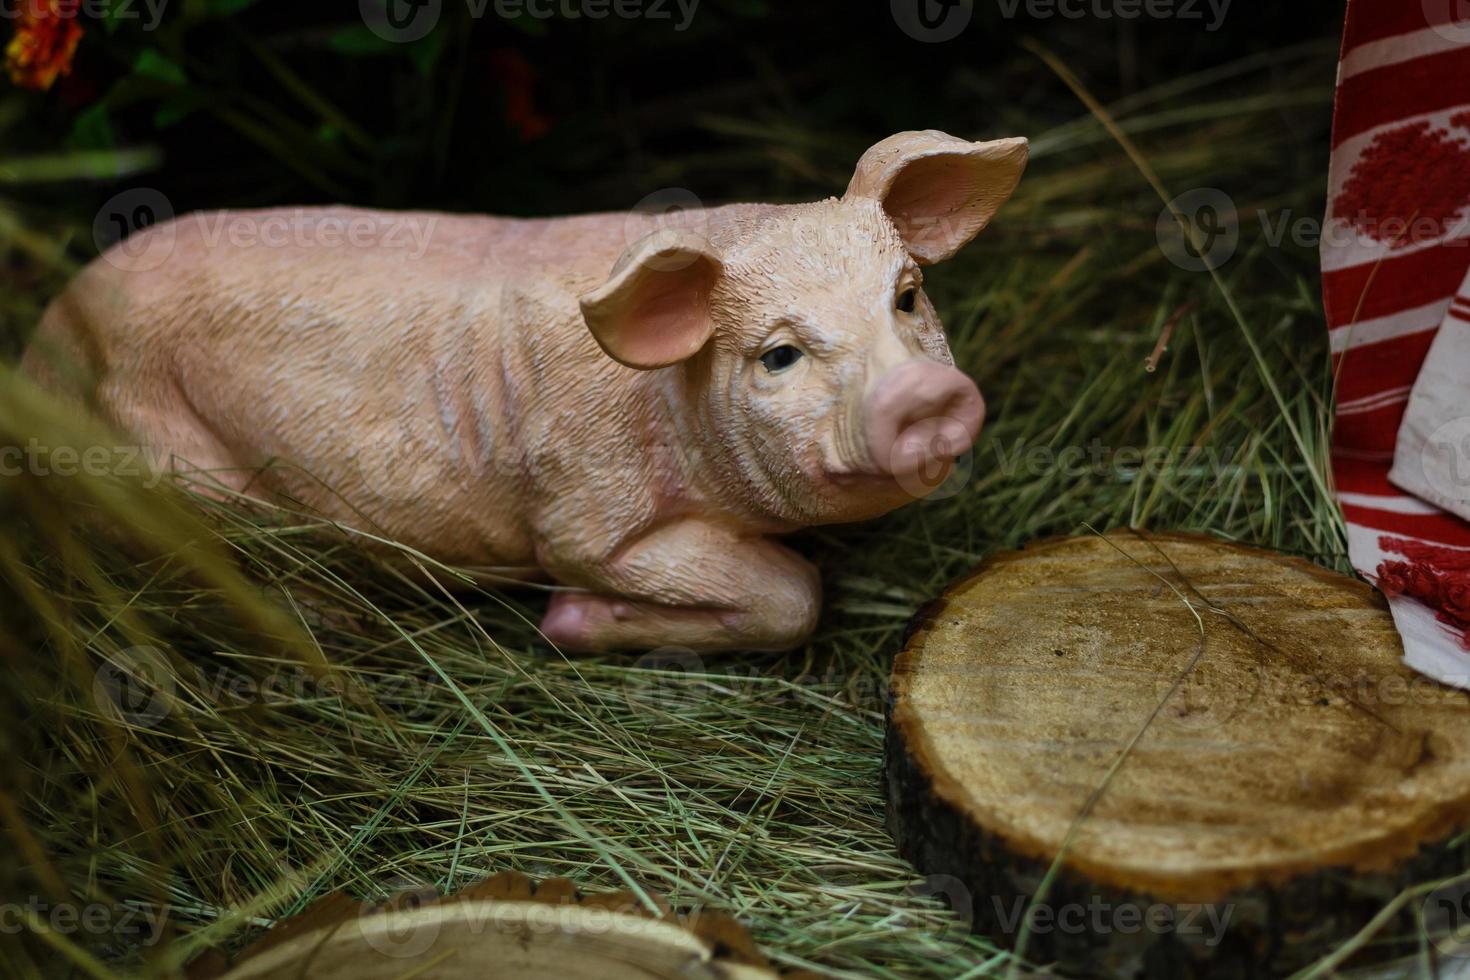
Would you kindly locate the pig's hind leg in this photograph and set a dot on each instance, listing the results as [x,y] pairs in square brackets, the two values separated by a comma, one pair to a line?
[139,398]
[690,585]
[175,439]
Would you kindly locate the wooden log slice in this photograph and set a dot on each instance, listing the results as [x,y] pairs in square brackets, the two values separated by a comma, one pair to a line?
[1288,785]
[505,927]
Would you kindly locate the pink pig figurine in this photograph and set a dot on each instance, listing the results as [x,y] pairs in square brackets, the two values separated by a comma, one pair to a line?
[632,409]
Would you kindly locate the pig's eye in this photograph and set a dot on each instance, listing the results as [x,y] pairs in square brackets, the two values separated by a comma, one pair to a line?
[780,358]
[906,300]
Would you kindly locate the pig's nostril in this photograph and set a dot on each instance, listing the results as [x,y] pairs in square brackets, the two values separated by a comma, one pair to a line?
[920,415]
[926,442]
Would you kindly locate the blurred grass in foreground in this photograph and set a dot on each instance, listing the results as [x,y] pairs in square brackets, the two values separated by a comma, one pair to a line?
[311,719]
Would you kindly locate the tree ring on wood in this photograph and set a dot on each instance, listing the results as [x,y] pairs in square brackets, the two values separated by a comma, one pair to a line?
[1292,775]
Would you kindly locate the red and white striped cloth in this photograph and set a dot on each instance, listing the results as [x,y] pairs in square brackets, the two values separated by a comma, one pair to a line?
[1395,252]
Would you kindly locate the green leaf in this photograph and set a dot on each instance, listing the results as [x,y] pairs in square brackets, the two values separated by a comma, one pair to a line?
[92,129]
[358,39]
[426,51]
[153,64]
[80,165]
[177,107]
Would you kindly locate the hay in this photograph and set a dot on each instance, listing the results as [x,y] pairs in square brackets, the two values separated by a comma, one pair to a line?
[322,720]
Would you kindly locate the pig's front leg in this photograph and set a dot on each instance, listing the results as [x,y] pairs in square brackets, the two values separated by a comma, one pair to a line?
[692,585]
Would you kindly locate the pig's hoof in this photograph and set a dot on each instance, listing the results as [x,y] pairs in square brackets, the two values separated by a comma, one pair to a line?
[572,618]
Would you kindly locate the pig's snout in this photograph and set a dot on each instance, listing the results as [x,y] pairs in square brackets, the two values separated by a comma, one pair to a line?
[920,416]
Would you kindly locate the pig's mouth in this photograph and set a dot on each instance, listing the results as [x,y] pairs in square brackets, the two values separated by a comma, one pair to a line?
[859,480]
[894,487]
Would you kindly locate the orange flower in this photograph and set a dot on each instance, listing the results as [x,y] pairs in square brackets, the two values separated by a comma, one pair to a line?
[518,77]
[46,36]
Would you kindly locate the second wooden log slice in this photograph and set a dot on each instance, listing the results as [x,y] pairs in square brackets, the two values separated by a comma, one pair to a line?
[1291,776]
[504,928]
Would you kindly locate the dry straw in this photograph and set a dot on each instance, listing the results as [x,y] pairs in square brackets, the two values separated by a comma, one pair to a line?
[316,719]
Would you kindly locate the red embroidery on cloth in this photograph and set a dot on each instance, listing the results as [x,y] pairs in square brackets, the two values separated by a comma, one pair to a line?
[1436,575]
[1409,185]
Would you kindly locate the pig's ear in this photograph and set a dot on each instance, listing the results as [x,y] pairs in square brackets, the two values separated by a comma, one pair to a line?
[654,309]
[938,190]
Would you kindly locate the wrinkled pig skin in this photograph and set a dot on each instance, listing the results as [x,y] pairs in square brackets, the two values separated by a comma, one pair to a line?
[631,406]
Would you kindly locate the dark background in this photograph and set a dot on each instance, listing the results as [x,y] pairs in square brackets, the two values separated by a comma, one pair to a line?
[258,102]
[1055,310]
